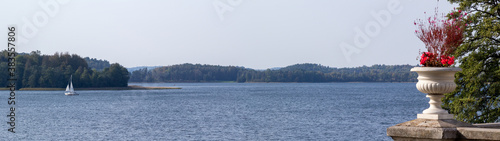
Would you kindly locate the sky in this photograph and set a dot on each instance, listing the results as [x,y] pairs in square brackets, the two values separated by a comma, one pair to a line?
[255,34]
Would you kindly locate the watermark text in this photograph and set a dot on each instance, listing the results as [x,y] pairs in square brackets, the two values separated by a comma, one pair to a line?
[372,29]
[11,54]
[221,8]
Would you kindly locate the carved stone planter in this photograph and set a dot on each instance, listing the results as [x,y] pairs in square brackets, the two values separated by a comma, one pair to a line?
[435,123]
[435,82]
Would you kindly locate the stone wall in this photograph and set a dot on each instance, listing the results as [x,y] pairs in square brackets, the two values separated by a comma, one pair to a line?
[443,129]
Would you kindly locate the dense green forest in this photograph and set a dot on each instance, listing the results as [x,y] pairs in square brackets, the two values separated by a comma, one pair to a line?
[54,71]
[294,73]
[99,65]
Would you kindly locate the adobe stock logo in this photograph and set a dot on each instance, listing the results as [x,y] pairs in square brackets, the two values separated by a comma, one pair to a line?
[221,8]
[40,19]
[362,38]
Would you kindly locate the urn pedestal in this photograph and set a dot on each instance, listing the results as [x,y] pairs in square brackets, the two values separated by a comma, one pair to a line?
[435,82]
[434,123]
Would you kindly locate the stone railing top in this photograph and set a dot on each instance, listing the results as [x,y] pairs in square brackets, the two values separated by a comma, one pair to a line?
[488,125]
[450,129]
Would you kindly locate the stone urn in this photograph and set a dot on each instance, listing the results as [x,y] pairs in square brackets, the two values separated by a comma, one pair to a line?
[435,82]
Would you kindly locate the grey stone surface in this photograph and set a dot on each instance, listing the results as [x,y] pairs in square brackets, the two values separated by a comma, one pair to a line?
[417,139]
[443,129]
[488,125]
[435,123]
[422,132]
[479,133]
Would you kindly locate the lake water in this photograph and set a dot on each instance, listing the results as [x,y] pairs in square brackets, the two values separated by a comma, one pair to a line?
[217,111]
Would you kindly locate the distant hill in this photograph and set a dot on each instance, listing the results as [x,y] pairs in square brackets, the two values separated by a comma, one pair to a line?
[186,73]
[295,73]
[141,67]
[308,67]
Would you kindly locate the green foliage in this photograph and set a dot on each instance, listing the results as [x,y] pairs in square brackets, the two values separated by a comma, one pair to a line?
[53,71]
[294,73]
[477,96]
[99,65]
[117,75]
[308,67]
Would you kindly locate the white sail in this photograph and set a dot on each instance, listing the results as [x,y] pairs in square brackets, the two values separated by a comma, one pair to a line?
[69,88]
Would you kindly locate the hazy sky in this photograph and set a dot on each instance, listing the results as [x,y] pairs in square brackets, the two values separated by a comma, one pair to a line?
[256,34]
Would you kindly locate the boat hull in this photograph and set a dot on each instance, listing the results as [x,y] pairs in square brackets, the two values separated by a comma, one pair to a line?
[70,94]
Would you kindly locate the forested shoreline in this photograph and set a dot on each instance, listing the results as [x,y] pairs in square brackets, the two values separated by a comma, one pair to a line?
[53,71]
[294,73]
[35,70]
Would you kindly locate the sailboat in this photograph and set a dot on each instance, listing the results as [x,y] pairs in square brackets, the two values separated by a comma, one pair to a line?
[69,88]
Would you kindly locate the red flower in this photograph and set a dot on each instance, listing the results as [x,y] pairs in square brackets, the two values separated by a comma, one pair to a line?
[423,59]
[447,60]
[451,60]
[427,58]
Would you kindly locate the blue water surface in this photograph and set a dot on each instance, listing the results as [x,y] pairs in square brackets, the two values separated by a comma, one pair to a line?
[216,111]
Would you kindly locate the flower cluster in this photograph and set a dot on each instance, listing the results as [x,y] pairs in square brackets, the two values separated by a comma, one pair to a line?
[431,59]
[441,37]
[447,60]
[427,59]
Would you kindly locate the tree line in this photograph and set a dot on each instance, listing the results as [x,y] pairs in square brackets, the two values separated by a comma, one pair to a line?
[54,71]
[295,73]
[97,64]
